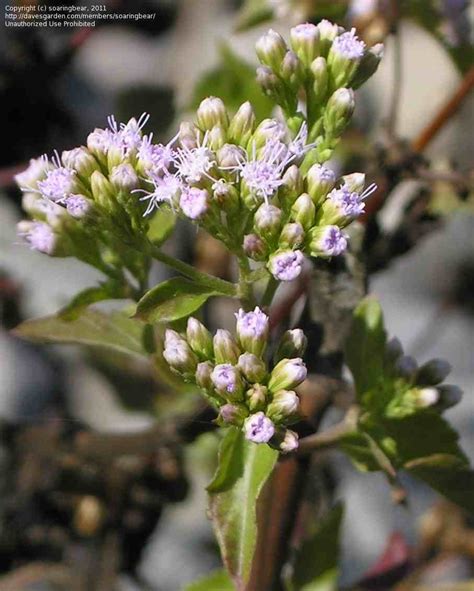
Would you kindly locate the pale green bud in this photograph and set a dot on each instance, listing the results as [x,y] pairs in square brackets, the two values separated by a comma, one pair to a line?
[102,190]
[319,71]
[270,83]
[81,160]
[199,338]
[292,70]
[287,374]
[179,355]
[292,185]
[256,397]
[268,129]
[203,375]
[433,372]
[252,367]
[339,111]
[267,221]
[271,49]
[226,195]
[242,125]
[292,236]
[229,156]
[226,349]
[123,177]
[232,414]
[427,397]
[293,343]
[354,182]
[368,65]
[217,137]
[284,406]
[303,211]
[327,33]
[254,247]
[304,40]
[320,180]
[212,112]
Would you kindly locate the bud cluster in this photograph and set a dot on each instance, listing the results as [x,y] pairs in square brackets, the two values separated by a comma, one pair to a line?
[236,379]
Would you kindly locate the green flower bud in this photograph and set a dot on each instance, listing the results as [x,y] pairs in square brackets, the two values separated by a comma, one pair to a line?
[230,156]
[287,374]
[368,65]
[242,125]
[270,83]
[448,396]
[254,247]
[426,397]
[226,349]
[102,191]
[123,177]
[217,137]
[284,406]
[226,195]
[203,375]
[212,112]
[228,382]
[271,49]
[292,70]
[292,185]
[305,42]
[199,338]
[327,33]
[268,129]
[354,182]
[292,236]
[327,241]
[188,135]
[320,180]
[319,71]
[256,397]
[232,414]
[339,111]
[252,367]
[293,343]
[433,372]
[267,221]
[303,211]
[179,355]
[81,160]
[406,367]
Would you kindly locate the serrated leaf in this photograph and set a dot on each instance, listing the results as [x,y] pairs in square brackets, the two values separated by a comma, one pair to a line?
[364,351]
[234,510]
[105,291]
[229,466]
[216,581]
[252,13]
[161,226]
[316,563]
[172,299]
[115,331]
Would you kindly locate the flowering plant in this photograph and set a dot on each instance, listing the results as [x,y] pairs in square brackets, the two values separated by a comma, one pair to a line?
[266,192]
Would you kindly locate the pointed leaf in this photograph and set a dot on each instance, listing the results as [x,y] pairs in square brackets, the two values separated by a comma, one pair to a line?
[105,291]
[114,331]
[172,299]
[161,226]
[229,466]
[234,510]
[216,581]
[316,562]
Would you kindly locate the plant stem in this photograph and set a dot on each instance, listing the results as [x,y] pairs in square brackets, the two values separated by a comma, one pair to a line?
[270,290]
[220,285]
[245,289]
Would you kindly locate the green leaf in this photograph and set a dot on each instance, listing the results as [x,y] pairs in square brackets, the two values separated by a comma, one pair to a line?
[172,299]
[161,226]
[216,581]
[254,12]
[115,331]
[234,82]
[365,346]
[234,510]
[105,291]
[229,466]
[316,563]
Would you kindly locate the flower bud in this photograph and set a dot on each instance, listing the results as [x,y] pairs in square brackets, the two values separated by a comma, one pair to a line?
[242,125]
[179,356]
[406,367]
[230,156]
[284,406]
[427,397]
[232,414]
[268,129]
[256,397]
[227,381]
[292,236]
[320,181]
[81,160]
[78,206]
[287,374]
[252,367]
[267,221]
[102,191]
[271,49]
[433,372]
[305,42]
[194,202]
[254,247]
[290,441]
[293,343]
[225,195]
[199,338]
[259,428]
[303,211]
[217,137]
[226,349]
[292,70]
[98,142]
[124,177]
[36,171]
[40,237]
[327,241]
[327,33]
[252,330]
[319,71]
[354,182]
[203,375]
[368,65]
[212,112]
[292,184]
[448,396]
[286,265]
[339,111]
[393,350]
[269,82]
[344,57]
[188,135]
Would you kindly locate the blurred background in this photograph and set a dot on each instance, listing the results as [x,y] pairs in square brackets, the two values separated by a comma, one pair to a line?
[83,484]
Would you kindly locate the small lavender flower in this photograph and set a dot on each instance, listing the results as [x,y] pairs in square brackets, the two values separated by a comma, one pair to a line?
[320,181]
[58,184]
[155,158]
[348,45]
[77,206]
[194,164]
[286,265]
[131,132]
[252,330]
[38,235]
[36,171]
[233,414]
[328,241]
[259,428]
[99,141]
[290,442]
[79,159]
[349,204]
[194,202]
[166,188]
[227,380]
[305,41]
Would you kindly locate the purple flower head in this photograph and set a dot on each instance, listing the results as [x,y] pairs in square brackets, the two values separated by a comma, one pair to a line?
[35,172]
[259,428]
[99,140]
[193,164]
[349,46]
[58,184]
[333,241]
[252,324]
[322,173]
[226,378]
[194,202]
[290,442]
[155,158]
[350,203]
[38,235]
[165,188]
[304,31]
[299,146]
[131,132]
[286,265]
[77,206]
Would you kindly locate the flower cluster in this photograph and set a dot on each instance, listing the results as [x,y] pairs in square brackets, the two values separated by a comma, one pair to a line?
[235,377]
